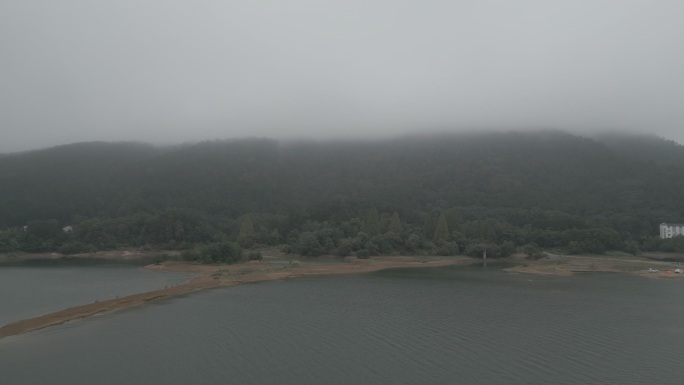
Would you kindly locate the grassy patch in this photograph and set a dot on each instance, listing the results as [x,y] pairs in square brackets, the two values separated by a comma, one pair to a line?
[627,266]
[619,254]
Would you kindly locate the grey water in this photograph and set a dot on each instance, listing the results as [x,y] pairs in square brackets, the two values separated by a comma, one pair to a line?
[32,291]
[420,326]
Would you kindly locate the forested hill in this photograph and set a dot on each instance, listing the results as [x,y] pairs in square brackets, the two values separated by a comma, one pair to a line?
[420,194]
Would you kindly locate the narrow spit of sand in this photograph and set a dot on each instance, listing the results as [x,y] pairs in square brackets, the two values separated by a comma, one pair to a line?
[221,276]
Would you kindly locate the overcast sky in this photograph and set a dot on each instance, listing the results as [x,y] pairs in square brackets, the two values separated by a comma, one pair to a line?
[169,71]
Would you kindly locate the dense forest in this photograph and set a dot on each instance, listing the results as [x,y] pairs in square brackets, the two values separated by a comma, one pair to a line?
[442,194]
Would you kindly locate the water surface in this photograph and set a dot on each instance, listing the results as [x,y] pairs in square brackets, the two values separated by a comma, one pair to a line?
[420,326]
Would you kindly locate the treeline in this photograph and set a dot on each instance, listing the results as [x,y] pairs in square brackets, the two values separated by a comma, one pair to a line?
[446,195]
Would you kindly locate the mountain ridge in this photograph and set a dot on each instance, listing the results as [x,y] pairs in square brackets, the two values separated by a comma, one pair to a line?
[606,182]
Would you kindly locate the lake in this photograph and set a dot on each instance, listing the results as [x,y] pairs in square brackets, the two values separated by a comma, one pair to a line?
[455,325]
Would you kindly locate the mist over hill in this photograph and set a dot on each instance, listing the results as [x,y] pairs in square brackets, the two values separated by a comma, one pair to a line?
[445,194]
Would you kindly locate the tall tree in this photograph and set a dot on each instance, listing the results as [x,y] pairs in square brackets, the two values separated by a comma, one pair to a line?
[442,228]
[372,226]
[247,227]
[428,225]
[395,223]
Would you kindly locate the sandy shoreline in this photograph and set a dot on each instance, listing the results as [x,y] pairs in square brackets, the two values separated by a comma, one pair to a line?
[210,276]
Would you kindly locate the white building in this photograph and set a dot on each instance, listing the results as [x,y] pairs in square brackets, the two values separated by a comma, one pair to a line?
[669,230]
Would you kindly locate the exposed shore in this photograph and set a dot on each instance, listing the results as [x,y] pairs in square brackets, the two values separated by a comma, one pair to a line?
[213,276]
[573,264]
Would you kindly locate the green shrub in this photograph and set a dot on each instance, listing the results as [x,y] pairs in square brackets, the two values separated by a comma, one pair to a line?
[225,252]
[362,254]
[75,247]
[190,255]
[255,256]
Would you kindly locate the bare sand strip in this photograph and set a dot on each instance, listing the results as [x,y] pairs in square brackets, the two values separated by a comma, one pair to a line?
[212,277]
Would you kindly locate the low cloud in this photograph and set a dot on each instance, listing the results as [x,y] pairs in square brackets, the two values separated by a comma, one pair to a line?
[163,72]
